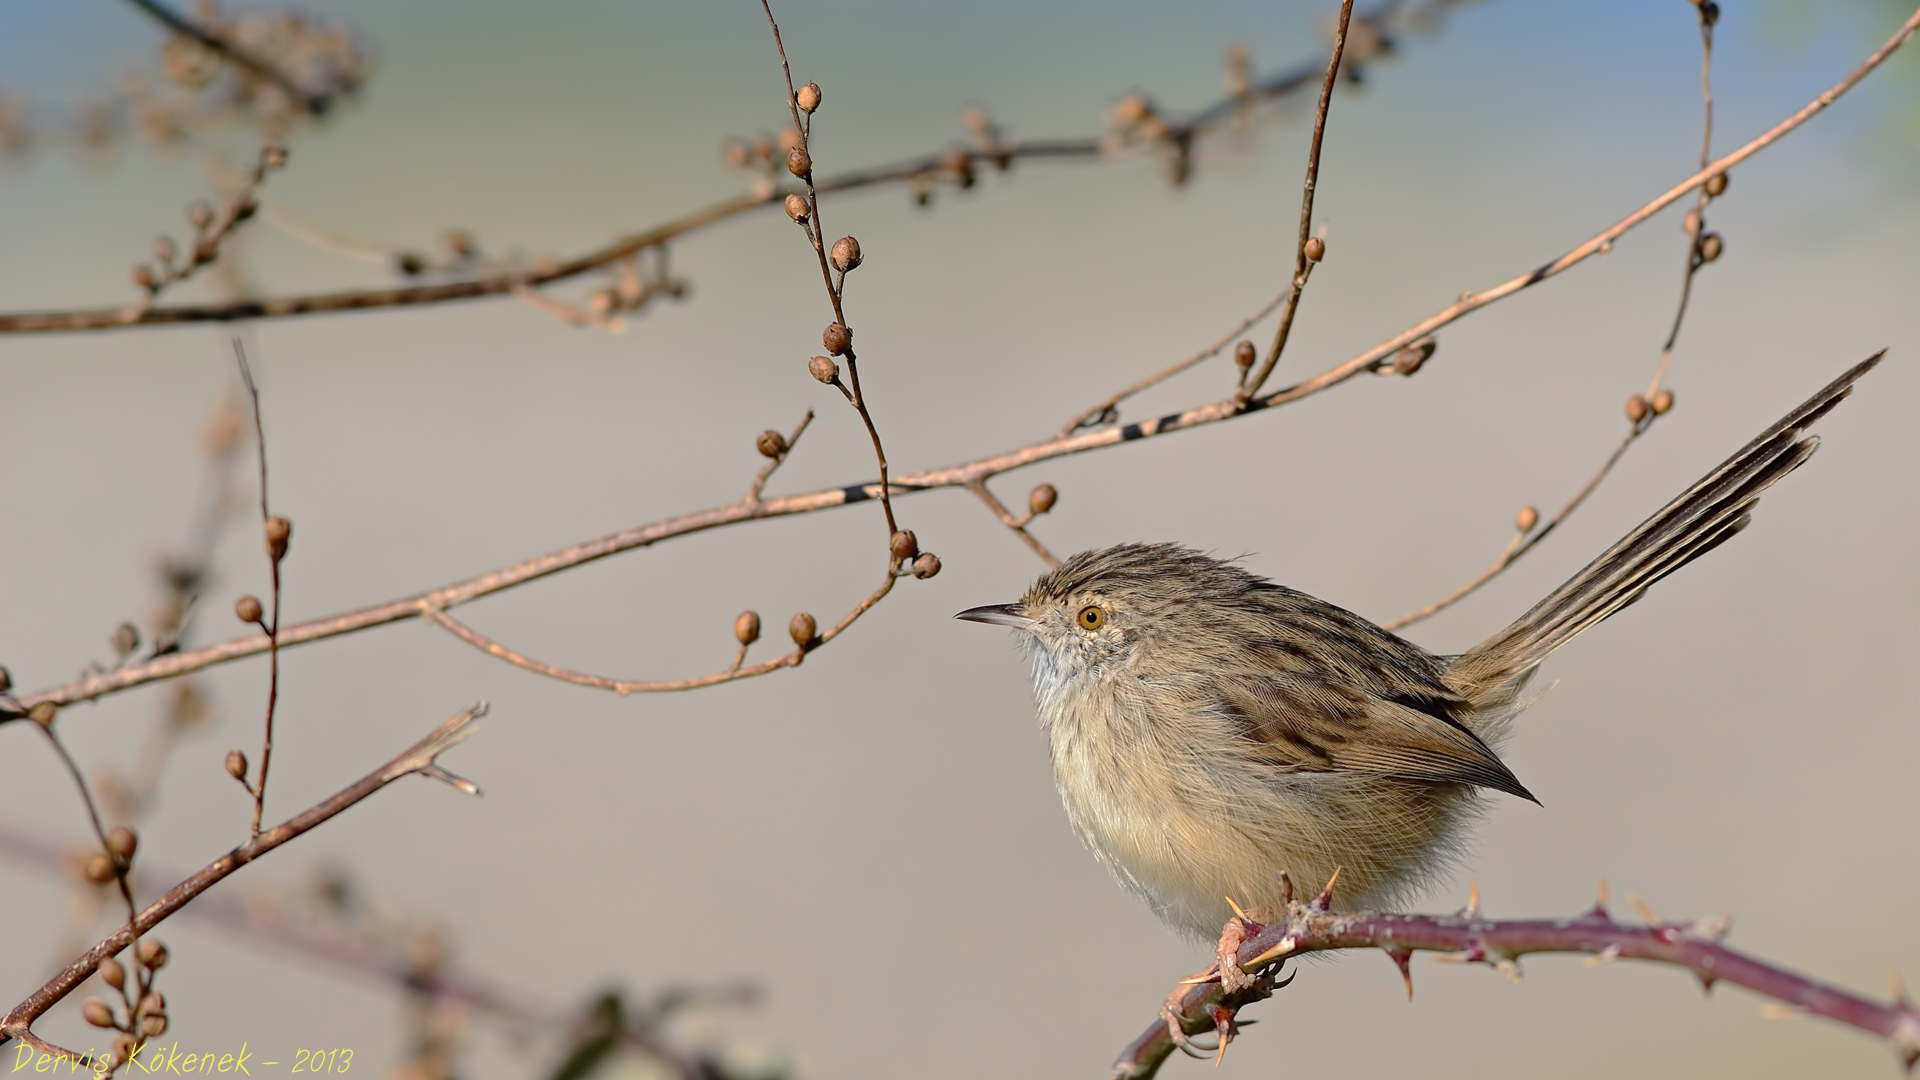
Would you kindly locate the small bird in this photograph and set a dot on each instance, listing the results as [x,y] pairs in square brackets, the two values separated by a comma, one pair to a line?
[1210,729]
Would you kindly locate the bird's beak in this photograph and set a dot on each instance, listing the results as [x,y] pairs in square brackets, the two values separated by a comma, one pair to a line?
[999,614]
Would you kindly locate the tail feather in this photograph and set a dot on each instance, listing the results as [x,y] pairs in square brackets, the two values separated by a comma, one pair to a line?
[1705,516]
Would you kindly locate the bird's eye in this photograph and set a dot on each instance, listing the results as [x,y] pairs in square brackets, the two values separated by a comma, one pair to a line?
[1092,618]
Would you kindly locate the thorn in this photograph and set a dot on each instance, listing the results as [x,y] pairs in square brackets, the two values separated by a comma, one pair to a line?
[1473,897]
[1286,888]
[1510,968]
[1713,927]
[1236,909]
[1222,1030]
[1286,946]
[1897,988]
[1603,892]
[1646,913]
[1599,913]
[1782,1012]
[1402,959]
[1706,982]
[1325,899]
[1604,956]
[1204,977]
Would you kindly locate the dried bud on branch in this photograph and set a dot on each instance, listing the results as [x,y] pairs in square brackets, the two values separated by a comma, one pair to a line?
[98,870]
[1636,408]
[823,369]
[125,639]
[797,208]
[1716,185]
[1710,247]
[237,765]
[746,628]
[771,443]
[838,338]
[112,973]
[1316,249]
[153,1007]
[279,530]
[904,544]
[846,254]
[803,630]
[808,98]
[1244,355]
[97,1013]
[1528,518]
[1043,496]
[1662,401]
[42,713]
[153,953]
[927,565]
[1410,359]
[248,609]
[798,163]
[122,843]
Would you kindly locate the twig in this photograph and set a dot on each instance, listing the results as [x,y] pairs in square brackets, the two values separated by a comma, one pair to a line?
[623,687]
[275,552]
[766,471]
[1302,262]
[310,103]
[97,684]
[210,230]
[421,757]
[1642,411]
[912,171]
[1017,524]
[1470,938]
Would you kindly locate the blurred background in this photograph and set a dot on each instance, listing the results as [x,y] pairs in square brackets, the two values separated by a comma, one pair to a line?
[873,840]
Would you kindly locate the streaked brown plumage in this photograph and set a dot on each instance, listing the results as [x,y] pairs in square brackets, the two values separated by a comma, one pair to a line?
[1210,729]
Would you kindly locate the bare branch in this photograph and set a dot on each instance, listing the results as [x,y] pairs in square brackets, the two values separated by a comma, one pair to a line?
[311,103]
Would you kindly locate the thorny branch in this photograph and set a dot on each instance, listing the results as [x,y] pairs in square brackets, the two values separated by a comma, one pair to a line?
[422,758]
[97,684]
[958,166]
[1469,937]
[1309,250]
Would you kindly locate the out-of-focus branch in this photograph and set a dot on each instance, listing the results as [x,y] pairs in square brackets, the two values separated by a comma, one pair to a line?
[1470,937]
[422,758]
[314,104]
[958,166]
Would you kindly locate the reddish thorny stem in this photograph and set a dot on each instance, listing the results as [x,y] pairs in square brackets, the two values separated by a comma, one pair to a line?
[1468,937]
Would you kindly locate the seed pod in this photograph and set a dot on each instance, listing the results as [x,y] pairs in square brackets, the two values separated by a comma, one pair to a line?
[153,1024]
[746,628]
[125,639]
[846,254]
[98,870]
[802,629]
[1041,498]
[798,163]
[904,544]
[838,338]
[279,530]
[1709,13]
[236,765]
[1716,185]
[927,565]
[112,973]
[1636,408]
[808,98]
[771,443]
[1529,517]
[1316,249]
[153,953]
[823,369]
[122,843]
[6,679]
[143,276]
[797,208]
[42,713]
[1662,401]
[248,609]
[1244,355]
[96,1012]
[1710,247]
[1416,353]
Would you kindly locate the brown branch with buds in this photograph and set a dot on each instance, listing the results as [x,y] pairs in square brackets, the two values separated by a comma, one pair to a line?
[1642,409]
[278,531]
[211,228]
[1470,937]
[421,758]
[315,104]
[1310,249]
[1402,353]
[958,167]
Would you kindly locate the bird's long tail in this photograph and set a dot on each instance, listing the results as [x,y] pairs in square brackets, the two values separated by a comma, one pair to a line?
[1701,519]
